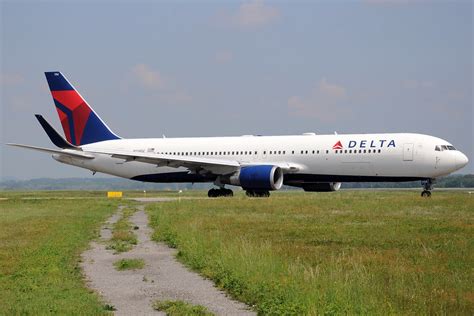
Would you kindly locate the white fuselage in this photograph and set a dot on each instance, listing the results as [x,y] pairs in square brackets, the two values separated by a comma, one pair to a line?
[308,158]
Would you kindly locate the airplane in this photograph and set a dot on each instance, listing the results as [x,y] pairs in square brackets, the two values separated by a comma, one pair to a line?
[258,164]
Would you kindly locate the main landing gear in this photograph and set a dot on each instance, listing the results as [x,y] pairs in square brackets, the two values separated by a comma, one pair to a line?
[220,192]
[427,187]
[257,193]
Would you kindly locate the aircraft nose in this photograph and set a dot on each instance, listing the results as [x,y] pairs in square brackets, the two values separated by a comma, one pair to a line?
[461,160]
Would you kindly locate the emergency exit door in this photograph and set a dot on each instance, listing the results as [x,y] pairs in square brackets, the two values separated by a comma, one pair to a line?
[407,152]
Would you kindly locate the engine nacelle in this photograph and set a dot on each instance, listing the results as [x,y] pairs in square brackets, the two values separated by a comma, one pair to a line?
[322,187]
[261,177]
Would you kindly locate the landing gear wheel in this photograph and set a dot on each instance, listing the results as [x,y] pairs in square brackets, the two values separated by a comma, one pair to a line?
[212,193]
[427,187]
[426,193]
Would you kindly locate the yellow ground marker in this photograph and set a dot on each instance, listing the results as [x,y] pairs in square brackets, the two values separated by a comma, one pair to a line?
[114,194]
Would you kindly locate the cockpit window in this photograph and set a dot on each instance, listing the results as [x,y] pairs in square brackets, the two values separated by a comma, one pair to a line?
[444,147]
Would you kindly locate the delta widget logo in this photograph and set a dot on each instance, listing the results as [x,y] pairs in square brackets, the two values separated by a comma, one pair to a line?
[337,145]
[380,143]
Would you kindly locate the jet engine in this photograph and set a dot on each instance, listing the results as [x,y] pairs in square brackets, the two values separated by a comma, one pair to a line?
[261,177]
[322,187]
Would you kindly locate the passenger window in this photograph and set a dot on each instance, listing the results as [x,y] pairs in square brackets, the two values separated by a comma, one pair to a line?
[302,152]
[306,152]
[380,151]
[293,152]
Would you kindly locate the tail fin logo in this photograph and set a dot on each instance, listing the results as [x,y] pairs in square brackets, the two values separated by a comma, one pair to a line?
[337,145]
[80,123]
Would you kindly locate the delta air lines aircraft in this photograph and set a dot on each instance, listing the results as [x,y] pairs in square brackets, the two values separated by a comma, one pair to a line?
[259,164]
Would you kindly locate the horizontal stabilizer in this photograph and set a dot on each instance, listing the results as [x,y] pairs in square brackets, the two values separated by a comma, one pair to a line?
[55,137]
[67,152]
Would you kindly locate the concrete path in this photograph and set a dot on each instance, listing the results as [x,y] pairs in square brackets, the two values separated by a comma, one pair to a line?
[163,278]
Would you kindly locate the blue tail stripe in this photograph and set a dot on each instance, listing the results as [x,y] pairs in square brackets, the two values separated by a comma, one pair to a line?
[96,131]
[57,82]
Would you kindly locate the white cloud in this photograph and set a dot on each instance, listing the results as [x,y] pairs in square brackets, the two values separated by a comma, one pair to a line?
[331,90]
[147,77]
[326,101]
[255,13]
[224,57]
[160,88]
[250,15]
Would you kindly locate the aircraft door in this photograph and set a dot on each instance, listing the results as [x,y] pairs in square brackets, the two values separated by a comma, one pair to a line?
[407,152]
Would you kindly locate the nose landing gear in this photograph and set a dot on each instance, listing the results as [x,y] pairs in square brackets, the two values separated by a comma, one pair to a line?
[220,192]
[427,187]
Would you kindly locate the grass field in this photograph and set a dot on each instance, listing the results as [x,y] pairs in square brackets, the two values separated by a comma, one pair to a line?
[40,243]
[349,252]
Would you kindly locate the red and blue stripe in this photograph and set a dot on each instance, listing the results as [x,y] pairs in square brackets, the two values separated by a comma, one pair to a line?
[80,123]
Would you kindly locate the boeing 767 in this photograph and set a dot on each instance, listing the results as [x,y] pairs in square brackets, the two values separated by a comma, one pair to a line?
[258,164]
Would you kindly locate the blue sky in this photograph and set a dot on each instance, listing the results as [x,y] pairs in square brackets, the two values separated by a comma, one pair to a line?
[195,68]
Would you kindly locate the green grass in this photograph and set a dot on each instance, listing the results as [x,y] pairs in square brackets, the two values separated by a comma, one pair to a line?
[40,244]
[180,308]
[85,194]
[349,252]
[129,264]
[123,239]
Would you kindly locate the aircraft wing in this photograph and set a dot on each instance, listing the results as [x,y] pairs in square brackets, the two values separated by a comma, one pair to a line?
[196,164]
